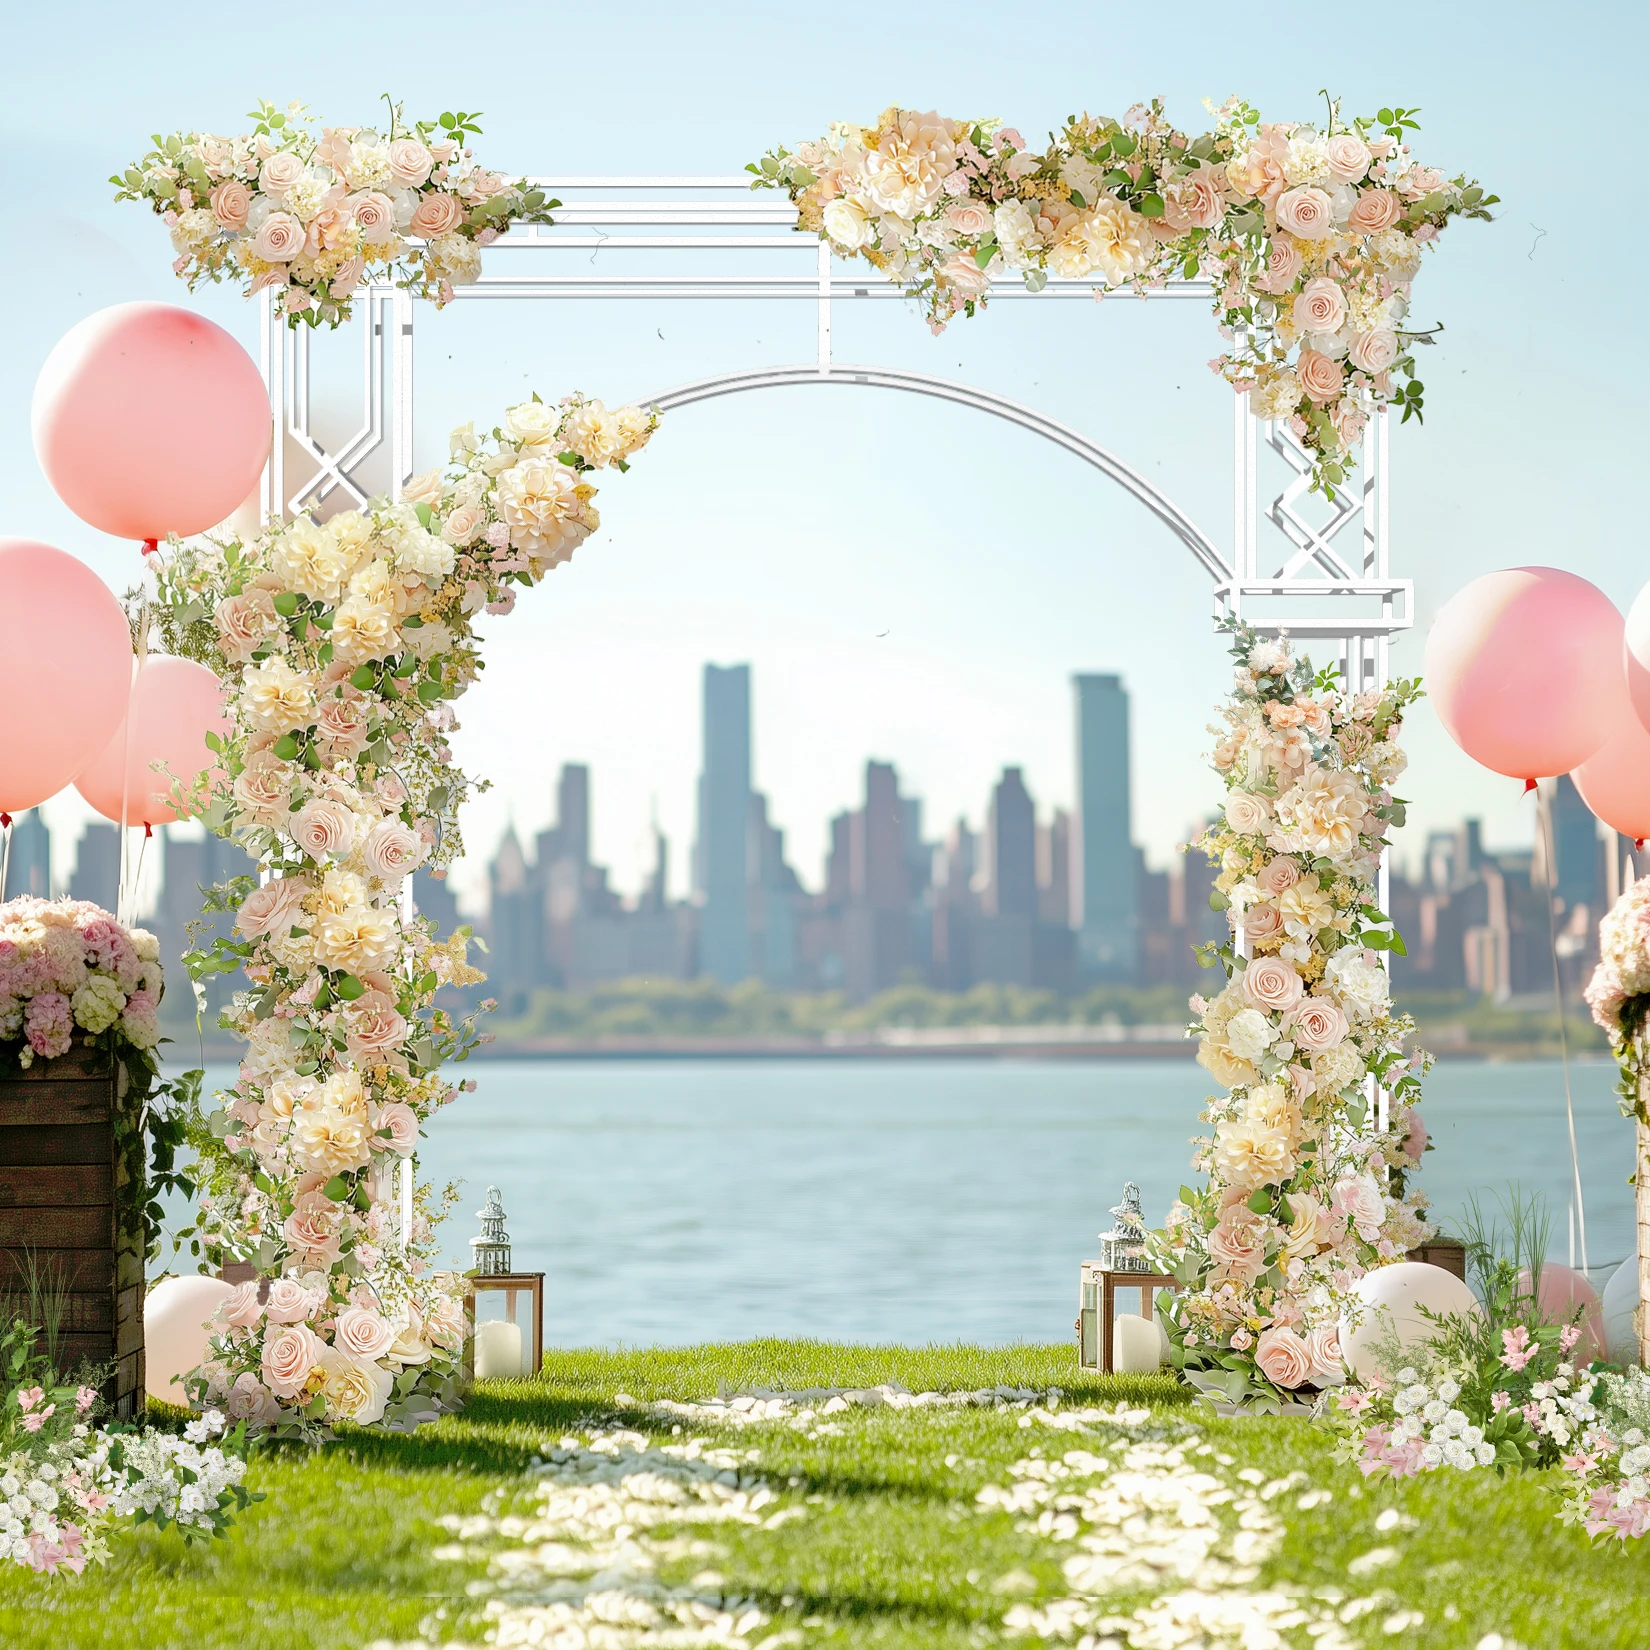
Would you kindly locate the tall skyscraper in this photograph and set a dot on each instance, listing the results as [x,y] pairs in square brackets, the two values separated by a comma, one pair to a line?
[1011,850]
[1105,897]
[1580,879]
[722,859]
[29,859]
[97,866]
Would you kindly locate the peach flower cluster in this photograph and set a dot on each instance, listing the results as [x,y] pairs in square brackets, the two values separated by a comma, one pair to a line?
[315,217]
[1306,1184]
[344,644]
[1310,238]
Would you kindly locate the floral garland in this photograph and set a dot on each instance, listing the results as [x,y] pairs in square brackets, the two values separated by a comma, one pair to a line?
[342,646]
[1306,1190]
[316,217]
[1310,237]
[1619,996]
[70,972]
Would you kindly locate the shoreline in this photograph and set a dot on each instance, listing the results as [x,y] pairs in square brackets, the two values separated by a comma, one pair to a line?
[882,1046]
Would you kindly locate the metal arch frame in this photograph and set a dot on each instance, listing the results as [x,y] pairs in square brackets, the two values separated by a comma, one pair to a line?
[1328,577]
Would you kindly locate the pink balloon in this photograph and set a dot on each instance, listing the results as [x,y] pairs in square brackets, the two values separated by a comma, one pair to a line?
[66,651]
[1636,656]
[1524,669]
[1560,1294]
[149,420]
[175,704]
[1615,780]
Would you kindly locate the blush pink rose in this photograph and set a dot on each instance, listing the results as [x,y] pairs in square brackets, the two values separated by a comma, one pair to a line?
[1323,1349]
[1349,157]
[242,1309]
[1306,213]
[1238,1244]
[1283,1358]
[1321,306]
[410,162]
[1373,211]
[363,1333]
[968,217]
[1261,922]
[243,623]
[313,1232]
[436,214]
[280,172]
[1319,375]
[280,238]
[374,1028]
[1247,814]
[1415,1138]
[1270,985]
[289,1301]
[1358,1199]
[290,1353]
[402,1123]
[1317,1024]
[1196,200]
[322,827]
[1373,351]
[274,908]
[230,202]
[1278,874]
[250,1400]
[374,214]
[1283,266]
[342,723]
[391,851]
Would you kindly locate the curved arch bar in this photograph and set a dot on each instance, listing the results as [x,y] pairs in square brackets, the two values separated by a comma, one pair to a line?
[762,378]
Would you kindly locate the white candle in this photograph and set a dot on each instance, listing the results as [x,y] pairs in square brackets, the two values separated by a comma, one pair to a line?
[1136,1348]
[498,1350]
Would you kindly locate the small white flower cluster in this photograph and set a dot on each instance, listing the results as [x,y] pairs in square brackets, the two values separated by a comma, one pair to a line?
[178,1477]
[1428,1412]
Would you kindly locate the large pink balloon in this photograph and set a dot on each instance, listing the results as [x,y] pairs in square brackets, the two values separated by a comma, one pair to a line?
[175,704]
[149,420]
[66,655]
[1636,654]
[1615,780]
[1524,669]
[1563,1292]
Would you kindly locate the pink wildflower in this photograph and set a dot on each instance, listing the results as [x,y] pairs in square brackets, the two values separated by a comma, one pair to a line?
[1579,1462]
[1499,1401]
[1518,1350]
[84,1398]
[1568,1336]
[28,1398]
[34,1422]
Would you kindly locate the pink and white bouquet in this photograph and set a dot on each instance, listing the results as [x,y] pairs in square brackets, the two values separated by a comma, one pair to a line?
[315,217]
[1310,235]
[1608,1457]
[1619,991]
[1306,1185]
[64,1481]
[344,644]
[68,968]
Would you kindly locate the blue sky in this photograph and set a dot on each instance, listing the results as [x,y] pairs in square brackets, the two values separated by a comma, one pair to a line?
[795,527]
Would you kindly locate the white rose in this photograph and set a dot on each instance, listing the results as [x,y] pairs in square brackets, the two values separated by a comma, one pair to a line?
[847,224]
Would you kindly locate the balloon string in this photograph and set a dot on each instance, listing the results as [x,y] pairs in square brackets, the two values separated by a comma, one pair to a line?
[140,650]
[5,851]
[1578,1211]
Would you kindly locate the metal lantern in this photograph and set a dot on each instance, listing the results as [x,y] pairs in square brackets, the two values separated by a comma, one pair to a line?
[1122,1269]
[505,1308]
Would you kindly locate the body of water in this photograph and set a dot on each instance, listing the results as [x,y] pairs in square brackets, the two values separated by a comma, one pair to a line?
[909,1200]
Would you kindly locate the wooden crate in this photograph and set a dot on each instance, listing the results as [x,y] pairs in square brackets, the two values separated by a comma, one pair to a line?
[1444,1252]
[61,1185]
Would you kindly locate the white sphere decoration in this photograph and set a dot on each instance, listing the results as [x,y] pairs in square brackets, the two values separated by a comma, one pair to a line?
[1391,1298]
[1617,1307]
[175,1316]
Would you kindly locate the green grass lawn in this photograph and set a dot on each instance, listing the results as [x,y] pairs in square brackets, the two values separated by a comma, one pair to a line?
[879,1536]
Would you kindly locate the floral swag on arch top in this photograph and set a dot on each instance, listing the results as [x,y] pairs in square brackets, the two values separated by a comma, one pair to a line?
[1311,237]
[1307,1185]
[341,646]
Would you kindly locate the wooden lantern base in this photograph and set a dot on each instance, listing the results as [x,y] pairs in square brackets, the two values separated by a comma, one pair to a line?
[504,1283]
[1097,1309]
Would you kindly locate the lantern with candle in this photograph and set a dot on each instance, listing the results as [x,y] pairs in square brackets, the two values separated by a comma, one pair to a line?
[505,1307]
[1130,1343]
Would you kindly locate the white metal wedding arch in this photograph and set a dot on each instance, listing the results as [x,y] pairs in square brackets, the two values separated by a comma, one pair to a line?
[1322,570]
